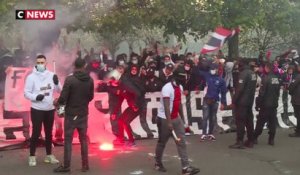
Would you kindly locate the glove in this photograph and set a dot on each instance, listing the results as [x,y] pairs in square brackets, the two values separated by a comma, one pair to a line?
[55,79]
[40,97]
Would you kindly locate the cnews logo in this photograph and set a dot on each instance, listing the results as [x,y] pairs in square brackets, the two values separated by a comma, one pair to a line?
[35,14]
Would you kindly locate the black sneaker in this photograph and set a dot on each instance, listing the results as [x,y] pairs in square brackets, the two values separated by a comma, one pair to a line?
[248,144]
[62,169]
[190,170]
[295,134]
[85,168]
[150,136]
[159,167]
[131,144]
[271,142]
[255,141]
[137,136]
[237,145]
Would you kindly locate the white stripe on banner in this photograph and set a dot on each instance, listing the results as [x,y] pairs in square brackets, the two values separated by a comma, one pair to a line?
[218,36]
[208,47]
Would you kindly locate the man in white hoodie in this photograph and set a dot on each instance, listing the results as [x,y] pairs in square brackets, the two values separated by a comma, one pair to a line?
[39,88]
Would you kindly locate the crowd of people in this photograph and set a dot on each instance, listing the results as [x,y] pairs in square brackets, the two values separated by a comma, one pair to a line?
[172,74]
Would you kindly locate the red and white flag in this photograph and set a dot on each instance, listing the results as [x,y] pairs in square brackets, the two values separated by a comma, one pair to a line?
[217,39]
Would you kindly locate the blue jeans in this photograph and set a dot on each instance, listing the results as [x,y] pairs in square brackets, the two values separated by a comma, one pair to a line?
[209,114]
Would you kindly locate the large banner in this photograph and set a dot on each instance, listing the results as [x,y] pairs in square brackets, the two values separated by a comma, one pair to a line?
[15,107]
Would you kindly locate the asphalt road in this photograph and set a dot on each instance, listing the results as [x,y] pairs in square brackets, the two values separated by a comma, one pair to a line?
[213,158]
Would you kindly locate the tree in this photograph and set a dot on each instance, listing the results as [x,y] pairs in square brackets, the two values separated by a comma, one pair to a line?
[276,26]
[194,17]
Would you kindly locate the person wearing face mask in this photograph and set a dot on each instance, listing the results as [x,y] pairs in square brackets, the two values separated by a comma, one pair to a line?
[152,83]
[120,60]
[295,57]
[286,81]
[166,61]
[294,91]
[216,86]
[112,87]
[192,83]
[133,94]
[168,121]
[134,59]
[243,100]
[140,83]
[166,74]
[39,88]
[267,103]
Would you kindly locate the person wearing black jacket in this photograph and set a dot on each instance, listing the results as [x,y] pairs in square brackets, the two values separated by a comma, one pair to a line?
[243,101]
[133,95]
[152,83]
[267,103]
[294,91]
[115,101]
[78,91]
[166,74]
[193,82]
[286,80]
[140,83]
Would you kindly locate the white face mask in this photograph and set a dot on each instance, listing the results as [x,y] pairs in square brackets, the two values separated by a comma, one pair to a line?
[167,62]
[121,62]
[213,72]
[187,68]
[40,67]
[134,61]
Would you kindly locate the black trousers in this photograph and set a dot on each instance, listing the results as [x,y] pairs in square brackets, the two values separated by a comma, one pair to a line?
[143,117]
[81,124]
[124,123]
[297,115]
[266,115]
[244,119]
[115,109]
[188,108]
[39,118]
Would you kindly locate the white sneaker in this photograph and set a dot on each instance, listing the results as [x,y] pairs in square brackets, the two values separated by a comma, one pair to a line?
[211,137]
[32,161]
[51,159]
[203,137]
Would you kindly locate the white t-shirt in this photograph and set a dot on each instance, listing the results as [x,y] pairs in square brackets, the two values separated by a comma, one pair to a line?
[166,92]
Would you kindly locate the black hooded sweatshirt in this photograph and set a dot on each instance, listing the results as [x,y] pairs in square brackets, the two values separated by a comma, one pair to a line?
[78,91]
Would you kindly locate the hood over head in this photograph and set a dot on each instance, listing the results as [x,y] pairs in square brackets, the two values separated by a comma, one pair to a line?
[81,75]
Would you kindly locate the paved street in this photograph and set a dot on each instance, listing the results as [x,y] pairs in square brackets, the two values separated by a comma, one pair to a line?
[213,158]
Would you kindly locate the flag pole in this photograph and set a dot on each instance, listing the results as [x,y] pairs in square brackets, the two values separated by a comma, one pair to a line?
[54,66]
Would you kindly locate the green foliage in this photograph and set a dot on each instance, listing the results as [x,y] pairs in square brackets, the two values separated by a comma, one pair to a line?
[276,27]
